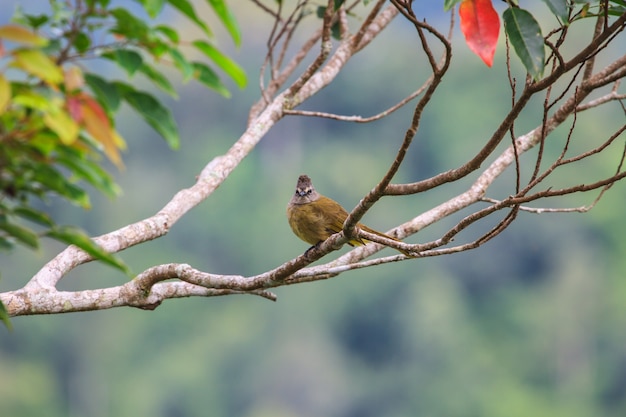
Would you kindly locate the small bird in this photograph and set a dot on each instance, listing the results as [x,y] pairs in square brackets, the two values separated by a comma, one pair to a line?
[314,217]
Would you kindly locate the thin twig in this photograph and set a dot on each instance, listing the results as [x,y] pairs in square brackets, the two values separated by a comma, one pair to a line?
[360,119]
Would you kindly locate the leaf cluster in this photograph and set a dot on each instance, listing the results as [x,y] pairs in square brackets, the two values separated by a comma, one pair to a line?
[58,114]
[480,25]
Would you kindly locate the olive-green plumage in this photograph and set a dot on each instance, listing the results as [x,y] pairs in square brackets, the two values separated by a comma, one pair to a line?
[314,217]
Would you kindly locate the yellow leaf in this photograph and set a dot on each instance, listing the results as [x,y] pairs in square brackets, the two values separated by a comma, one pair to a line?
[62,124]
[118,140]
[32,100]
[5,93]
[98,126]
[38,64]
[73,79]
[20,34]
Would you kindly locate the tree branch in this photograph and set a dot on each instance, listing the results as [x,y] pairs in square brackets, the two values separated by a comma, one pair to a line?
[158,283]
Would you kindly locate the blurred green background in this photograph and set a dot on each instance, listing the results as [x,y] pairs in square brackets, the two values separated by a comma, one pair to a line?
[531,324]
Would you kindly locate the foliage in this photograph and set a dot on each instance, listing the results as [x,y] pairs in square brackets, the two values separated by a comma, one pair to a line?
[481,26]
[57,114]
[530,325]
[84,118]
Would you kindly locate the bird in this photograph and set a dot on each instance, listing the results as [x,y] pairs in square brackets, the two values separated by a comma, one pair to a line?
[314,217]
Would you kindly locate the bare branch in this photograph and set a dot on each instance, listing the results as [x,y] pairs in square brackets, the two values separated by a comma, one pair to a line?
[612,96]
[438,71]
[542,210]
[563,92]
[529,91]
[359,119]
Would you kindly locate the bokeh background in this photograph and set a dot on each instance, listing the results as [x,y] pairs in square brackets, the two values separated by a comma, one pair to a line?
[531,324]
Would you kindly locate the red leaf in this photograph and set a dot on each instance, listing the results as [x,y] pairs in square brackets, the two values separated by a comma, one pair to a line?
[96,122]
[97,111]
[73,108]
[481,26]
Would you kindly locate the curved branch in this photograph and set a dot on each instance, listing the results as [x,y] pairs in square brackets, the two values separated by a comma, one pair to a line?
[360,119]
[438,71]
[150,288]
[454,174]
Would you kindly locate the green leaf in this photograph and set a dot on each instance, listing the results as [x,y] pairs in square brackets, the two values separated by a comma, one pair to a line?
[227,18]
[103,3]
[525,36]
[46,142]
[129,60]
[321,10]
[617,8]
[229,66]
[82,42]
[36,21]
[4,316]
[105,92]
[449,4]
[54,181]
[181,63]
[335,31]
[153,112]
[128,25]
[5,244]
[22,234]
[53,47]
[207,76]
[74,236]
[153,7]
[157,47]
[170,33]
[91,172]
[158,79]
[560,8]
[33,215]
[186,8]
